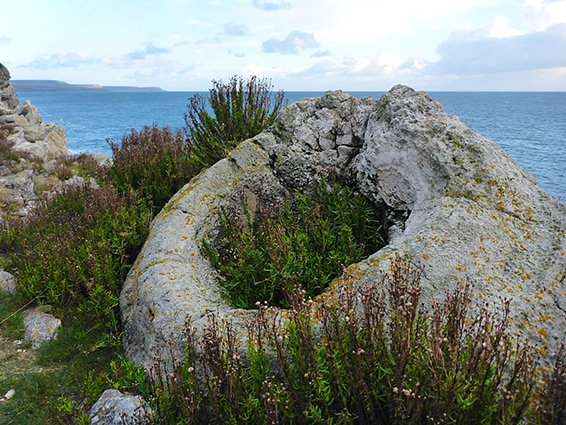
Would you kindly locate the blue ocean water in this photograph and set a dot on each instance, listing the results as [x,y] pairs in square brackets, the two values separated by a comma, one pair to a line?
[530,126]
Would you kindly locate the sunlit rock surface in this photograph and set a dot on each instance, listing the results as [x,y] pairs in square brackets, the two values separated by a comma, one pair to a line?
[457,204]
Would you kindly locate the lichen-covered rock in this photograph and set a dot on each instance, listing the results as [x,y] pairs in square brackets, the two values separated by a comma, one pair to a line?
[30,152]
[40,326]
[7,282]
[115,408]
[8,98]
[455,201]
[27,130]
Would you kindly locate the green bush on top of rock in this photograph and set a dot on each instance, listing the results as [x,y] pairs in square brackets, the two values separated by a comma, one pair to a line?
[233,112]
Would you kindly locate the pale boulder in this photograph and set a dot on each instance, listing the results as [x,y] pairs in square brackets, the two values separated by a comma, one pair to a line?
[456,203]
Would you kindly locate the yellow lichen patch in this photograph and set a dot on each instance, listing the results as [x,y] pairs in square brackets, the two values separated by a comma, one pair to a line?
[548,318]
[542,333]
[147,267]
[166,214]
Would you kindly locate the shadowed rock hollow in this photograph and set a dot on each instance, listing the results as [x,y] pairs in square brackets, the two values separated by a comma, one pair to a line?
[455,202]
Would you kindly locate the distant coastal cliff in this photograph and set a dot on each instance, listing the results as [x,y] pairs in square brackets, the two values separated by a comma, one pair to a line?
[58,86]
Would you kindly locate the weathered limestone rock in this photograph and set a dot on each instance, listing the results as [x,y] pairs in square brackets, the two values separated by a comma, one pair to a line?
[27,131]
[8,96]
[456,202]
[41,327]
[7,282]
[115,408]
[30,151]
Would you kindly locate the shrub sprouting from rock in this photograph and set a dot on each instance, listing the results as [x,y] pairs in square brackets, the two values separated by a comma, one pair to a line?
[233,112]
[303,243]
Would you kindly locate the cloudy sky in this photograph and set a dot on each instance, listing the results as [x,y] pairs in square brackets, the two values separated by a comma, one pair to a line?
[367,45]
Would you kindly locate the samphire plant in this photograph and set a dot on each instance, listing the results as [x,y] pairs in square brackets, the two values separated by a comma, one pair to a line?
[301,243]
[233,112]
[377,357]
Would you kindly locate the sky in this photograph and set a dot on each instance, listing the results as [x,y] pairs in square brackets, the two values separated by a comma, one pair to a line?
[300,45]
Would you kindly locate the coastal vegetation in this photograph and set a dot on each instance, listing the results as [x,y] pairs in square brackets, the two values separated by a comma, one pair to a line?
[303,243]
[382,357]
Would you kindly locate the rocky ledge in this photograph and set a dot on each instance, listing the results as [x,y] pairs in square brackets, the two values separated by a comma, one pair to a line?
[31,154]
[27,130]
[456,203]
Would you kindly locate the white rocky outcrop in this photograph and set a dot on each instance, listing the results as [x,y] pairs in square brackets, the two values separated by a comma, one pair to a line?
[30,154]
[116,408]
[40,325]
[456,203]
[26,129]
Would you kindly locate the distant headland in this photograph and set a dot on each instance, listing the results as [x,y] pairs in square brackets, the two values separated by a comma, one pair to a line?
[60,86]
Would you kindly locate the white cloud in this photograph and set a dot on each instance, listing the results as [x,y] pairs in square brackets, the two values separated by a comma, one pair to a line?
[327,68]
[149,49]
[61,60]
[385,63]
[272,5]
[413,64]
[366,21]
[74,59]
[321,53]
[382,64]
[540,14]
[291,44]
[468,53]
[235,29]
[500,28]
[4,40]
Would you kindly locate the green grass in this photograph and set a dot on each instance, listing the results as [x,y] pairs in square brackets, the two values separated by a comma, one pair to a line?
[75,369]
[11,323]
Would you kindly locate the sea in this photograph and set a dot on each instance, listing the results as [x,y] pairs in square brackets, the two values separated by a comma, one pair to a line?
[530,126]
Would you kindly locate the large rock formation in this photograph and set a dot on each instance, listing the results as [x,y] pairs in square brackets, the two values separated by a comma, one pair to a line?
[456,202]
[27,130]
[8,96]
[30,151]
